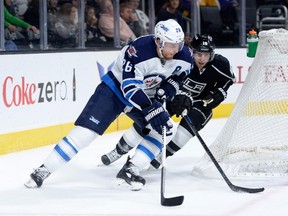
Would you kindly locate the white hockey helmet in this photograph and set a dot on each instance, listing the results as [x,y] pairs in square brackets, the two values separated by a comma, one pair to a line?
[169,31]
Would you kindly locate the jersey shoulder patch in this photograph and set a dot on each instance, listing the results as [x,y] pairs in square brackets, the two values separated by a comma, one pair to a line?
[142,49]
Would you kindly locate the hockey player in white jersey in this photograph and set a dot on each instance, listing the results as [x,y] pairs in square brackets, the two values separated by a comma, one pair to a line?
[202,90]
[131,85]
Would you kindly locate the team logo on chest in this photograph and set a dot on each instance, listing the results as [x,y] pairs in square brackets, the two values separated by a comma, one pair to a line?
[152,81]
[193,86]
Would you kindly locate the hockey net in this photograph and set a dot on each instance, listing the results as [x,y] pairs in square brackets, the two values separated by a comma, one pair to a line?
[253,142]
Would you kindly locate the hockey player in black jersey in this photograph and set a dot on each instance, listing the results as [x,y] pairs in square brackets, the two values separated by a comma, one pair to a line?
[207,83]
[203,89]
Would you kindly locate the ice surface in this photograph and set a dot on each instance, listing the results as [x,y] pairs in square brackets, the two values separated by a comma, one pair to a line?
[85,187]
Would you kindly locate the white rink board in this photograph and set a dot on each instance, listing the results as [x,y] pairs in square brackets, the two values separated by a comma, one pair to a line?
[37,89]
[240,65]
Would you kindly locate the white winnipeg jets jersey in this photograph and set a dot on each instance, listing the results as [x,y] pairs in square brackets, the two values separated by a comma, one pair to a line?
[139,71]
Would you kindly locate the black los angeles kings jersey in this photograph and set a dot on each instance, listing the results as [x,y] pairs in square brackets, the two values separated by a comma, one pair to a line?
[216,74]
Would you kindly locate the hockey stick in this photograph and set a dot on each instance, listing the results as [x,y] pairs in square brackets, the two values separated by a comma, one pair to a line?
[232,186]
[172,201]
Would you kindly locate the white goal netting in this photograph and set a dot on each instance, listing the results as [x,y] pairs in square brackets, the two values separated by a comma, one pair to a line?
[253,141]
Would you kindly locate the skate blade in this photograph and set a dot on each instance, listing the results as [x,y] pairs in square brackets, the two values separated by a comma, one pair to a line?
[31,184]
[134,186]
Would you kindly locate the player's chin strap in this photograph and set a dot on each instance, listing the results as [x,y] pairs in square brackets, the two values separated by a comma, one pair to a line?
[162,58]
[232,186]
[160,53]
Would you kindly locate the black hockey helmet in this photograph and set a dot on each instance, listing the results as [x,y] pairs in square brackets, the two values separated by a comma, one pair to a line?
[203,43]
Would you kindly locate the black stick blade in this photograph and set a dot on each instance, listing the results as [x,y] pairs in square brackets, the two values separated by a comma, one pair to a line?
[172,201]
[246,190]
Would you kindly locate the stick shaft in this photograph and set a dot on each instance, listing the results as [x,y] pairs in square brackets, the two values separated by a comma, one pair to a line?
[172,201]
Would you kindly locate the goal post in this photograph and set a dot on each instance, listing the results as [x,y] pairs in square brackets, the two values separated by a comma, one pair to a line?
[253,141]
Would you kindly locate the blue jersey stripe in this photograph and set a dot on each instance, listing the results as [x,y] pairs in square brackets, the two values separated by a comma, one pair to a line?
[129,95]
[128,88]
[146,151]
[109,82]
[70,144]
[62,153]
[131,82]
[154,141]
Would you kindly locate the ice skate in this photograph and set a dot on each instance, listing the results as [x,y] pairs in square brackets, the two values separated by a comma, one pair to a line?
[129,174]
[110,157]
[37,177]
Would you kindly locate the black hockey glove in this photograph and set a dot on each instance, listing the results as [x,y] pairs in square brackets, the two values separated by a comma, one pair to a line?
[157,116]
[168,88]
[214,98]
[182,100]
